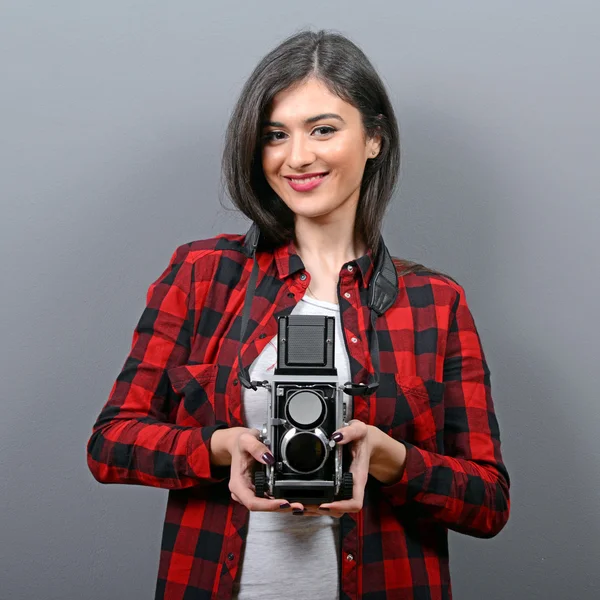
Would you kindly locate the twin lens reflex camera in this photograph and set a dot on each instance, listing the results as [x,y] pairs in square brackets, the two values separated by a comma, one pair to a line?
[307,404]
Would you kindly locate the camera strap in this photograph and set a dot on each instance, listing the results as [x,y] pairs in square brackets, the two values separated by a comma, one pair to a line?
[383,291]
[252,240]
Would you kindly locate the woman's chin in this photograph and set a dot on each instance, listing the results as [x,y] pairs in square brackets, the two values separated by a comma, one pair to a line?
[311,209]
[312,215]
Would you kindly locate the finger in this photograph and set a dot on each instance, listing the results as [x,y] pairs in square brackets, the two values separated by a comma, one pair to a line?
[328,512]
[342,506]
[360,473]
[278,505]
[309,511]
[241,491]
[355,430]
[354,504]
[287,506]
[312,510]
[252,502]
[250,444]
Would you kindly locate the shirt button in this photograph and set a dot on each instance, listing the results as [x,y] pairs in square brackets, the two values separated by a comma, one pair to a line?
[347,295]
[350,268]
[349,557]
[262,336]
[303,276]
[230,556]
[354,340]
[290,295]
[235,382]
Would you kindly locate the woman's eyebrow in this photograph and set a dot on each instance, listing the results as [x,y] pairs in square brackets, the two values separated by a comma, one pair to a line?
[306,121]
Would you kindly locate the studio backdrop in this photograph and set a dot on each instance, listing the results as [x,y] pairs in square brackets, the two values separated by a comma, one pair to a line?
[112,118]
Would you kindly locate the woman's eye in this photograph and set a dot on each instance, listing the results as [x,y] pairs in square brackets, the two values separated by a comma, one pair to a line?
[273,136]
[277,136]
[325,130]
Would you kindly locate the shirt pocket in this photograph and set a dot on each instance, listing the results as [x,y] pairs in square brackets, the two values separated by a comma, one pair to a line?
[416,414]
[196,386]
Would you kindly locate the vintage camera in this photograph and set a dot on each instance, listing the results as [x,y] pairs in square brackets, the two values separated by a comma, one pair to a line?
[307,404]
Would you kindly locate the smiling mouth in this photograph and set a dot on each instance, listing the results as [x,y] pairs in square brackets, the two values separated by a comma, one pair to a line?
[305,178]
[306,184]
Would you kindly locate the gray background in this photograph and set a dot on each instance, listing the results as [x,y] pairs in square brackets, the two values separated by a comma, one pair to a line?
[111,125]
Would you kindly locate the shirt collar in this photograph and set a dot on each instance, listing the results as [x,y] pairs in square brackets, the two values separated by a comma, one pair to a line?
[288,262]
[287,259]
[366,266]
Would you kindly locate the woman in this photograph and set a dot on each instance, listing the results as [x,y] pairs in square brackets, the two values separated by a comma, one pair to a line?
[311,157]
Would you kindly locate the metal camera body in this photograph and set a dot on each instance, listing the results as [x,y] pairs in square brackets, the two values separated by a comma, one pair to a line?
[307,404]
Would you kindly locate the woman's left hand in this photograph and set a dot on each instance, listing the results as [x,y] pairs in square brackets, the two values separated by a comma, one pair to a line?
[361,437]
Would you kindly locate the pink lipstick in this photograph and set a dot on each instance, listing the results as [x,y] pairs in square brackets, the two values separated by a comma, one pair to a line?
[307,182]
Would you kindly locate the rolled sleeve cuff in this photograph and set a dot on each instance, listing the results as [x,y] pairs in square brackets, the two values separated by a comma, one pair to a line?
[414,479]
[199,455]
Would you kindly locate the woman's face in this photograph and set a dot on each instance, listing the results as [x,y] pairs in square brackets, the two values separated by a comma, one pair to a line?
[308,131]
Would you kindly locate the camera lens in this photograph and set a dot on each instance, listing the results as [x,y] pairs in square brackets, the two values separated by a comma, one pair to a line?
[306,409]
[305,452]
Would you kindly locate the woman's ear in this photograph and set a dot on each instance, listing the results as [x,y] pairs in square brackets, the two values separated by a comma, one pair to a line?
[374,146]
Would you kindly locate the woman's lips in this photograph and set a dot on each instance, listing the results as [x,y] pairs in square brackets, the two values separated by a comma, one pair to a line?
[305,185]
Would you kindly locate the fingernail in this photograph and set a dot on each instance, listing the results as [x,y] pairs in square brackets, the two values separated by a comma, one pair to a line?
[298,511]
[268,458]
[323,508]
[285,505]
[337,437]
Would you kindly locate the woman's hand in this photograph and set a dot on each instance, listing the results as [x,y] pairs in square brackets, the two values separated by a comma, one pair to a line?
[241,448]
[373,452]
[360,435]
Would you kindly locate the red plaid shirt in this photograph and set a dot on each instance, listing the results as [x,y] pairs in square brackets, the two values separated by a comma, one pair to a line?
[179,384]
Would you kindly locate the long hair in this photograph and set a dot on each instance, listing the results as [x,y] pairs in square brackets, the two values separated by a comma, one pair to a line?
[345,70]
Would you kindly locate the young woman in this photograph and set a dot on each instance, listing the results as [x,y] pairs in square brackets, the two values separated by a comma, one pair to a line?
[311,157]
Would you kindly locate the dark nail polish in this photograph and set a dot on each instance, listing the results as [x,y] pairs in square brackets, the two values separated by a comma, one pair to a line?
[298,511]
[337,437]
[285,505]
[323,508]
[268,458]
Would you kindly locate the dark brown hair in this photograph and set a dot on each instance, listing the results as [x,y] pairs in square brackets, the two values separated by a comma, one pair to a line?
[346,71]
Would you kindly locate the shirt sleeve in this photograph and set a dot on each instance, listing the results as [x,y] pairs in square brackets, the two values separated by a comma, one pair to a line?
[467,487]
[134,439]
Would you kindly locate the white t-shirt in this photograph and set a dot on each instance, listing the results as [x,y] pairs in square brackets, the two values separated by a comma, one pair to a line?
[289,556]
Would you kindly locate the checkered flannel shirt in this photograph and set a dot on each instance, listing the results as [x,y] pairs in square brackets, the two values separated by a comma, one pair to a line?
[179,384]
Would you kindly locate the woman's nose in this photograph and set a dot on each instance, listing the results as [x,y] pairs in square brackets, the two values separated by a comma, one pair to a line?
[300,153]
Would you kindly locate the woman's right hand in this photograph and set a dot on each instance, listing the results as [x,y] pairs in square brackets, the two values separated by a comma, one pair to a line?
[241,448]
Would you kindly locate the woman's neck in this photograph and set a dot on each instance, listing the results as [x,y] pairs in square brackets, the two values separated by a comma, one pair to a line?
[323,250]
[330,245]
